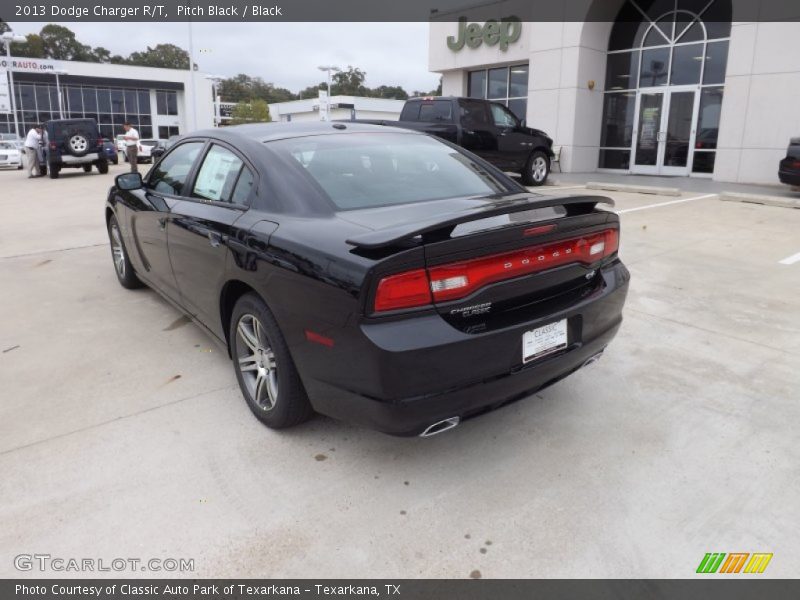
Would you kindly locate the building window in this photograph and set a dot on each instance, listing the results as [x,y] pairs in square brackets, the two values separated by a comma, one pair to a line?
[507,85]
[164,133]
[166,103]
[653,46]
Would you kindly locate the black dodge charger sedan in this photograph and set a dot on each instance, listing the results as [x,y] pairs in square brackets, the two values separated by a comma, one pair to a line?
[376,275]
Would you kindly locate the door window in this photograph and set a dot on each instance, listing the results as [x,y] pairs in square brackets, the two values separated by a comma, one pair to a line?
[219,177]
[501,116]
[169,175]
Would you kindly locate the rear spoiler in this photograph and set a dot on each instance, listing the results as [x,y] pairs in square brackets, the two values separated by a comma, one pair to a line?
[390,236]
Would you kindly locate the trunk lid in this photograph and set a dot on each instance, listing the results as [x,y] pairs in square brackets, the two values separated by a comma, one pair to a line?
[486,262]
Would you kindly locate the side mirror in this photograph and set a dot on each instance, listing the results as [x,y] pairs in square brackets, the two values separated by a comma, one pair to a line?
[129,181]
[522,123]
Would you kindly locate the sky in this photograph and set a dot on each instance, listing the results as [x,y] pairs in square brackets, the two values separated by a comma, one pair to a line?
[286,54]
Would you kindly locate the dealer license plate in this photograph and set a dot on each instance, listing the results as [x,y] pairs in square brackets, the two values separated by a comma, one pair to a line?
[544,340]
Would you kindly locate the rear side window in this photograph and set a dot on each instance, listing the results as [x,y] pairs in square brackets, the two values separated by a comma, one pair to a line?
[169,175]
[436,112]
[220,175]
[474,113]
[410,111]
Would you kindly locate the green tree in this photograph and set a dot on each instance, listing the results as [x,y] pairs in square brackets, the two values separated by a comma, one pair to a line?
[349,82]
[311,91]
[243,87]
[165,56]
[101,54]
[32,47]
[254,111]
[389,91]
[60,43]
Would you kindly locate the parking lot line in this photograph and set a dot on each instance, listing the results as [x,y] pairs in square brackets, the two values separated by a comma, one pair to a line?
[627,210]
[790,260]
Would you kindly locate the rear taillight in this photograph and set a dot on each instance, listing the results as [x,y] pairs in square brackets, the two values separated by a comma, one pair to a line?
[403,291]
[460,279]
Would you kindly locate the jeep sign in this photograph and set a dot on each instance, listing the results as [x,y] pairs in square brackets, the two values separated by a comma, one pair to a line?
[493,32]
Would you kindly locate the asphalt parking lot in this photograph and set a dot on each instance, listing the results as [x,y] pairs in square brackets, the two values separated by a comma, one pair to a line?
[123,432]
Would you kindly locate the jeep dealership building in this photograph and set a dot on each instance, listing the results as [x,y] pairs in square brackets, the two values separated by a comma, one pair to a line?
[159,102]
[662,87]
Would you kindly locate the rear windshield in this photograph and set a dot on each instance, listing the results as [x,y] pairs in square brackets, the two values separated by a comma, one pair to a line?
[362,170]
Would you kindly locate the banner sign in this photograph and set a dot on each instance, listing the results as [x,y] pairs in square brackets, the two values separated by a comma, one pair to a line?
[30,65]
[402,589]
[5,93]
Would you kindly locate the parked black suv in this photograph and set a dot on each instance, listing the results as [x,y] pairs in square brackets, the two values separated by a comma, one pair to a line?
[484,127]
[74,143]
[789,168]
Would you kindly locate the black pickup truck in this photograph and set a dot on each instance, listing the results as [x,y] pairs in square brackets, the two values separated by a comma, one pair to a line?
[484,127]
[789,168]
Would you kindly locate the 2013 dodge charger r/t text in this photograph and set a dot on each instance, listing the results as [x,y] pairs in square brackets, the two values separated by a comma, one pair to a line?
[376,275]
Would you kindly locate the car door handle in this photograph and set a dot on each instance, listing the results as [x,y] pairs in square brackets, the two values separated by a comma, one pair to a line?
[215,239]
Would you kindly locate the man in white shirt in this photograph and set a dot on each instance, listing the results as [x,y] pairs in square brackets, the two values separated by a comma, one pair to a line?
[131,138]
[31,147]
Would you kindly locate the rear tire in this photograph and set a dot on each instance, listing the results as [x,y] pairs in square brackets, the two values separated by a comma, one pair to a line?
[537,169]
[87,168]
[54,170]
[102,167]
[119,255]
[42,170]
[264,367]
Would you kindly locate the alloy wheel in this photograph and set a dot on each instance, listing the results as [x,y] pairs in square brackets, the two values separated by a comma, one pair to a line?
[117,253]
[256,362]
[539,168]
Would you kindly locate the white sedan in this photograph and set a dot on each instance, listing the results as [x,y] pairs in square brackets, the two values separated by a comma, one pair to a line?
[144,151]
[10,155]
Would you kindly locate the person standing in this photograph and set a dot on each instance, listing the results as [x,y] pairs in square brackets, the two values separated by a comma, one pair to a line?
[131,138]
[32,141]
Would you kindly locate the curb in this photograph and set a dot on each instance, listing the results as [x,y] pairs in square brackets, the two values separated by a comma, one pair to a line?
[638,189]
[764,199]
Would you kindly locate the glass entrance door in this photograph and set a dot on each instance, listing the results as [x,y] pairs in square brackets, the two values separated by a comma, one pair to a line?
[665,131]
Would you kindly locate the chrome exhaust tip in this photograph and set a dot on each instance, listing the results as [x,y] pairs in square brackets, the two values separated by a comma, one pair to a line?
[592,359]
[440,426]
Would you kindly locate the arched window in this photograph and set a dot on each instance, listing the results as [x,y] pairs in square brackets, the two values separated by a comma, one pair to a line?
[664,44]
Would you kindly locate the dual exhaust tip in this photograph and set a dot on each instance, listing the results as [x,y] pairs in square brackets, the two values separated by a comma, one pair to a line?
[441,426]
[453,422]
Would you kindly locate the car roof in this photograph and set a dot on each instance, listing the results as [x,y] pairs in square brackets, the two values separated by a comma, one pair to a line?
[268,132]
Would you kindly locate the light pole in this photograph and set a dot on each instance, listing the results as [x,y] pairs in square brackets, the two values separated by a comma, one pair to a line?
[328,69]
[58,92]
[191,75]
[215,81]
[7,38]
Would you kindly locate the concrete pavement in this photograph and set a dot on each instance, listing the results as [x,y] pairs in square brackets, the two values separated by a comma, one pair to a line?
[123,432]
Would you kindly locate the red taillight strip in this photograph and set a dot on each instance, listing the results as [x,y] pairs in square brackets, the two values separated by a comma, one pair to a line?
[457,280]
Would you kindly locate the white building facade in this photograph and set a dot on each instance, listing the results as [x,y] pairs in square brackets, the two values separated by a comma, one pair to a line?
[158,102]
[662,87]
[341,107]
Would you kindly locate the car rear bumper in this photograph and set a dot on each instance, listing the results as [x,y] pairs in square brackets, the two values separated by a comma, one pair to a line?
[789,177]
[454,374]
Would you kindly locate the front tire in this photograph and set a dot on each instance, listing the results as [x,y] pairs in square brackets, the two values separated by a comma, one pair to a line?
[537,169]
[264,367]
[87,168]
[122,264]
